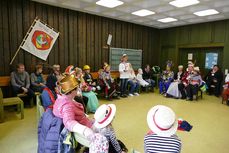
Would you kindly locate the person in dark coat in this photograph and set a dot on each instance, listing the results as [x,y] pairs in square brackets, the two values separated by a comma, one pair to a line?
[147,76]
[214,80]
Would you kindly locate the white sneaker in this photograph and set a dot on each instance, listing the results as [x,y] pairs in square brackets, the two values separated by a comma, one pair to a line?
[98,88]
[131,95]
[136,94]
[93,88]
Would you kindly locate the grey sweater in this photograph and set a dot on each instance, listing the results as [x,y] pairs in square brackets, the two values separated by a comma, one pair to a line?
[20,79]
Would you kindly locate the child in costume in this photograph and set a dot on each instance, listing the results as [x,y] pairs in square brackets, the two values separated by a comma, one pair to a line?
[107,82]
[163,126]
[124,76]
[104,116]
[166,78]
[194,82]
[86,90]
[89,79]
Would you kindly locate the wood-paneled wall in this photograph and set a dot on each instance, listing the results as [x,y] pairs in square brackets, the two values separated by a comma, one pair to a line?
[82,36]
[191,36]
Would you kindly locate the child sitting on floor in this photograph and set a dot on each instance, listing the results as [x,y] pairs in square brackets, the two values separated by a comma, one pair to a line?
[104,116]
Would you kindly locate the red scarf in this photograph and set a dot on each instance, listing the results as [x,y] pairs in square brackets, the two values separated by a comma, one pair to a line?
[51,96]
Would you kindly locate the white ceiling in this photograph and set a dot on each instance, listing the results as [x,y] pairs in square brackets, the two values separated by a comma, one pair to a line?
[162,9]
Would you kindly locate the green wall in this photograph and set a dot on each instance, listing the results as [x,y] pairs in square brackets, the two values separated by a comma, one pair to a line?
[211,34]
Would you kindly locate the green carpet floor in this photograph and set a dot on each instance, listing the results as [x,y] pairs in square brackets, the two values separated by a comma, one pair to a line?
[209,117]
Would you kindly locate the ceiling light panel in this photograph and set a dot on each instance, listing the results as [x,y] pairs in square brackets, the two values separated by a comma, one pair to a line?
[206,12]
[167,20]
[143,12]
[109,3]
[184,3]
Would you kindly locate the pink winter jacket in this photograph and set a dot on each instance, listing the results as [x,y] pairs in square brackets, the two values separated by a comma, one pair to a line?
[71,112]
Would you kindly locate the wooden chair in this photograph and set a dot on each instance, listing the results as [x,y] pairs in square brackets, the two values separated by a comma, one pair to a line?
[8,102]
[40,108]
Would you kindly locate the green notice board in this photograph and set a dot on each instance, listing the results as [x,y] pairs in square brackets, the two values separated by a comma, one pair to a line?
[134,57]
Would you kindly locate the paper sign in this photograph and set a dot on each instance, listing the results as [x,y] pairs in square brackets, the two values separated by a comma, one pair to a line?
[226,71]
[190,56]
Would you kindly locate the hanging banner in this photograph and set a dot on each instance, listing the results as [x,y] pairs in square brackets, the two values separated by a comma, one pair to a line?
[40,40]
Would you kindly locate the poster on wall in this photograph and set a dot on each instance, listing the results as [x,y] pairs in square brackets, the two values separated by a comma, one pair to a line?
[210,60]
[190,56]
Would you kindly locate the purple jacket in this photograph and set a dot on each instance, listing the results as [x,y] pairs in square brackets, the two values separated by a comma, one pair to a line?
[49,130]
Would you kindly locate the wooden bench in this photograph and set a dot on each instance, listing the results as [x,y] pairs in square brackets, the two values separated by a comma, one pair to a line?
[5,82]
[8,102]
[114,75]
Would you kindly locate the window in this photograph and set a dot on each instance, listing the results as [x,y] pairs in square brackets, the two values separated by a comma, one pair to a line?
[210,60]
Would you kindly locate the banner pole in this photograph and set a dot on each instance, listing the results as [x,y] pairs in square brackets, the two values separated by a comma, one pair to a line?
[24,40]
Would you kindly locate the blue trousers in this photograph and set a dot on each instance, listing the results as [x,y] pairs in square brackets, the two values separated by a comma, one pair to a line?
[133,86]
[151,82]
[123,86]
[163,86]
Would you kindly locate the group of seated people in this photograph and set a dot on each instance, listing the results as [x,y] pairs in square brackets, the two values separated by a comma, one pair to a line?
[98,134]
[183,84]
[70,95]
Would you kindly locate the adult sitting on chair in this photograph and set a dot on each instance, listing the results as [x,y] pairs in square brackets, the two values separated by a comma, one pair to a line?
[37,79]
[184,80]
[74,118]
[214,79]
[147,76]
[173,90]
[20,81]
[166,78]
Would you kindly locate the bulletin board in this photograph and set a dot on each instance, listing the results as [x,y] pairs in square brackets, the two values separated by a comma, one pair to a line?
[134,57]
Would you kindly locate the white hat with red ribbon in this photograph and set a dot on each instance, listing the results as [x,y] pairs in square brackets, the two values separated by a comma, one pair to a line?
[162,120]
[104,115]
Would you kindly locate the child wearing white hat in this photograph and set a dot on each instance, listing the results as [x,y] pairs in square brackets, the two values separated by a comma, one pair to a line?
[163,125]
[104,116]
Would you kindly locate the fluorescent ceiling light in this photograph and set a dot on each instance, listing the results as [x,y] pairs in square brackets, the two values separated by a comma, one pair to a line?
[143,12]
[183,3]
[166,20]
[109,3]
[206,12]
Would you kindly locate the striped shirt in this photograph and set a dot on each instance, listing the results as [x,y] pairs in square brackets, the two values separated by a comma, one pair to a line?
[158,144]
[109,133]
